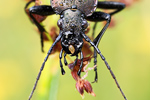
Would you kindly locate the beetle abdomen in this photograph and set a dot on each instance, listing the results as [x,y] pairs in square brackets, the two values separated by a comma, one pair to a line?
[86,6]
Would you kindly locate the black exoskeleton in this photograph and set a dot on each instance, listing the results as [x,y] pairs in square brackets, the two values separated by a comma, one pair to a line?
[72,23]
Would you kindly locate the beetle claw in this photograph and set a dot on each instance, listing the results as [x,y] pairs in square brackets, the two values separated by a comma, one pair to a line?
[62,71]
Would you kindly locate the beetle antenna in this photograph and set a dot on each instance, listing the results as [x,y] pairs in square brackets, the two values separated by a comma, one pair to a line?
[113,75]
[42,67]
[106,63]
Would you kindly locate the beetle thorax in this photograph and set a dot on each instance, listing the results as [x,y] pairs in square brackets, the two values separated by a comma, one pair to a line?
[72,21]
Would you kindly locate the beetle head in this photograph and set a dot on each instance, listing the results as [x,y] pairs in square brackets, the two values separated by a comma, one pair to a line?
[71,43]
[72,23]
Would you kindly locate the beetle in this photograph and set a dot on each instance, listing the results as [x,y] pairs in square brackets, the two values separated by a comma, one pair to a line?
[74,15]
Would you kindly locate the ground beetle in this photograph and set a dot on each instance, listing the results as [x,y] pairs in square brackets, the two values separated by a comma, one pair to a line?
[74,15]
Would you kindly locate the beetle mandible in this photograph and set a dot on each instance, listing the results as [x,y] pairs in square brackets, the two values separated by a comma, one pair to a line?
[74,15]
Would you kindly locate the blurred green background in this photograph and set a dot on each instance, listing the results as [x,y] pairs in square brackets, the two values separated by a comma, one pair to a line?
[126,48]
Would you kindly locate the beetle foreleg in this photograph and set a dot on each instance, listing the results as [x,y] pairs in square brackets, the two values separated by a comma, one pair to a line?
[75,62]
[99,16]
[65,61]
[95,69]
[81,65]
[61,65]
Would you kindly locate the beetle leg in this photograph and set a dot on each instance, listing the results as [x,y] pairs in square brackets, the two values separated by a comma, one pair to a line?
[95,69]
[105,5]
[99,16]
[28,4]
[61,65]
[42,10]
[65,61]
[109,5]
[43,64]
[75,62]
[95,55]
[94,27]
[81,65]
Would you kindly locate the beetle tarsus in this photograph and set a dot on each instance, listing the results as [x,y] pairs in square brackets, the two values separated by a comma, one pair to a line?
[81,65]
[62,71]
[65,61]
[96,76]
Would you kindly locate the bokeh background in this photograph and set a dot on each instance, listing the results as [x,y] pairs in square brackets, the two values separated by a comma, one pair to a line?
[125,46]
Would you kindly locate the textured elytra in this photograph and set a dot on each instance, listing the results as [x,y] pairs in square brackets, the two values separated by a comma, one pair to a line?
[85,6]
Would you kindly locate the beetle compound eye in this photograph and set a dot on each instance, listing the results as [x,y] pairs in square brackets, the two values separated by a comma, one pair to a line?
[84,24]
[59,23]
[71,49]
[65,42]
